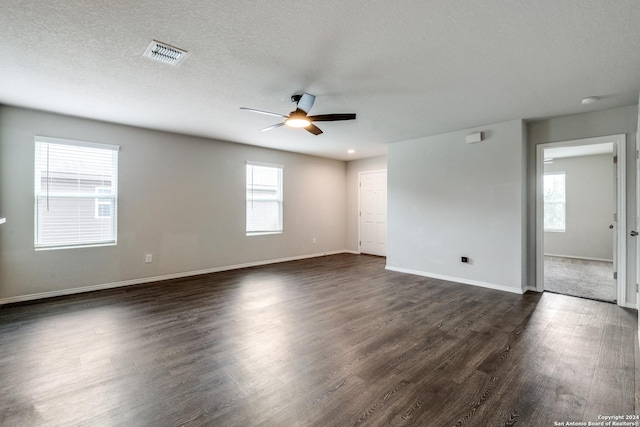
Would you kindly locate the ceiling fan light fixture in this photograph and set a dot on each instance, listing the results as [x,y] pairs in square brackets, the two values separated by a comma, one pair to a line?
[297,122]
[299,117]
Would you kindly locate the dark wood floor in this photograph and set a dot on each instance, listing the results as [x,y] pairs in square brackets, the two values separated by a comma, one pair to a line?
[332,341]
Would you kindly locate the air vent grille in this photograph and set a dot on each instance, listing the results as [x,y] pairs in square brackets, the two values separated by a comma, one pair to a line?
[164,53]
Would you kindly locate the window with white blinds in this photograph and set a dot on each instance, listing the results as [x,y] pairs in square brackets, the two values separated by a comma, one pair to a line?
[76,193]
[264,198]
[555,202]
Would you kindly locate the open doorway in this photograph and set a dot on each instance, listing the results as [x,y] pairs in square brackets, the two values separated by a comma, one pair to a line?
[579,210]
[581,218]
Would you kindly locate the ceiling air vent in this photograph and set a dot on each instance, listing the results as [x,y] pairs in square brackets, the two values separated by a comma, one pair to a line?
[164,53]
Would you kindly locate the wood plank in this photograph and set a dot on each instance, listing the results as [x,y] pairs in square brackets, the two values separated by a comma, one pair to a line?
[331,341]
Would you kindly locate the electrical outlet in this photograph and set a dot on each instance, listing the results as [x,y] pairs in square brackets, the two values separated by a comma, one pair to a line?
[313,241]
[148,258]
[464,259]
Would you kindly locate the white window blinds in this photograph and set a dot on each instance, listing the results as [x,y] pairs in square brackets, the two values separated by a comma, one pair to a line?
[264,198]
[554,201]
[76,193]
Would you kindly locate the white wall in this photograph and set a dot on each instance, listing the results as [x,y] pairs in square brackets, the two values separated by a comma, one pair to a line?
[181,198]
[353,169]
[449,199]
[579,126]
[590,204]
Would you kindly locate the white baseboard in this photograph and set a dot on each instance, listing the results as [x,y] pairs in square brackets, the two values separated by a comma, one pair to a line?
[626,304]
[530,288]
[71,291]
[457,280]
[580,257]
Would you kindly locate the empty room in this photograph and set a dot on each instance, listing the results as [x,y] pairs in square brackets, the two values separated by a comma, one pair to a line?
[319,213]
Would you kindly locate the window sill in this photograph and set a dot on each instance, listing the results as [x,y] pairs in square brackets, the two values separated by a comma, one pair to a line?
[263,233]
[89,245]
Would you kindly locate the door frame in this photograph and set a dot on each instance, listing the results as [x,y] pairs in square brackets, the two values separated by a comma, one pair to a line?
[360,206]
[619,144]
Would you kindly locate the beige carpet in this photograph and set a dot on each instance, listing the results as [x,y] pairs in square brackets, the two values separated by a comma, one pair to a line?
[580,278]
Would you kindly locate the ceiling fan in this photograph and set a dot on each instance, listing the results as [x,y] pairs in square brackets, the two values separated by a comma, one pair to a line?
[300,118]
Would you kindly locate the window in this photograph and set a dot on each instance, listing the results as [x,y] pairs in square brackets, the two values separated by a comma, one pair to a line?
[264,198]
[554,202]
[76,193]
[104,205]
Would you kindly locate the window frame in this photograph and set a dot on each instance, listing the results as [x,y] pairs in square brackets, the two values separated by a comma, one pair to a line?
[40,193]
[279,229]
[563,203]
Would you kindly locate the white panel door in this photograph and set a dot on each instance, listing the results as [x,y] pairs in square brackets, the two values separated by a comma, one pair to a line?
[637,229]
[373,213]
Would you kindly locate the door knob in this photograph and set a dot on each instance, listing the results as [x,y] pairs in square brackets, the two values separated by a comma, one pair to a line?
[611,226]
[634,233]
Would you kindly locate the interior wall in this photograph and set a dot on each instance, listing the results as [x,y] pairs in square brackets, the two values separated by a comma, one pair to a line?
[180,198]
[448,199]
[579,126]
[353,169]
[590,205]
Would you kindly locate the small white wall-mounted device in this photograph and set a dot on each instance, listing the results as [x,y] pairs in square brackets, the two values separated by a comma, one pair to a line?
[474,137]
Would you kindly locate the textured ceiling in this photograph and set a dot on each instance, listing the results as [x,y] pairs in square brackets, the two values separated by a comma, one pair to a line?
[408,68]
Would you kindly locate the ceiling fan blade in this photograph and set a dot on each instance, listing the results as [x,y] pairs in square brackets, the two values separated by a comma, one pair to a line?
[313,129]
[306,102]
[263,112]
[332,117]
[272,127]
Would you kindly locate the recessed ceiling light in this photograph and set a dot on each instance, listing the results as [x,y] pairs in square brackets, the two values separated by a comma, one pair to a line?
[351,151]
[589,100]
